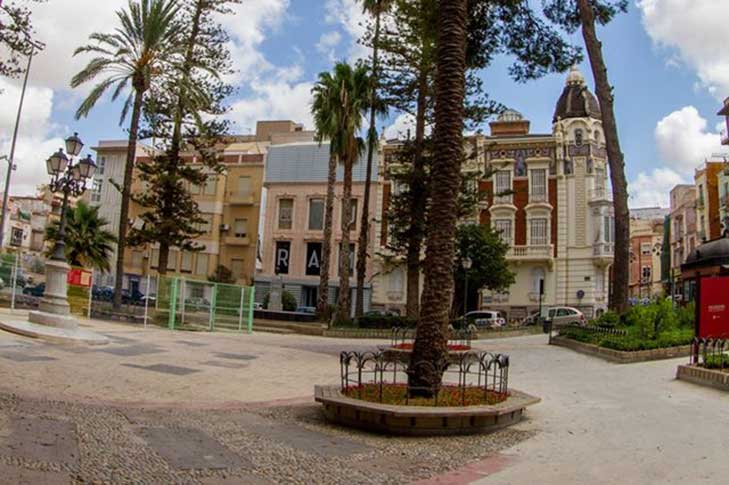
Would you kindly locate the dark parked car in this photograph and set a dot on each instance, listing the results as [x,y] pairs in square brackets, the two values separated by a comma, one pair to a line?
[306,309]
[102,293]
[135,297]
[36,290]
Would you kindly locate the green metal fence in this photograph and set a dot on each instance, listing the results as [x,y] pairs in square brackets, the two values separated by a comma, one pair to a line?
[202,305]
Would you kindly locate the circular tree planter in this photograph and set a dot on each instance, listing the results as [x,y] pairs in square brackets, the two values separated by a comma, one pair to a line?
[374,394]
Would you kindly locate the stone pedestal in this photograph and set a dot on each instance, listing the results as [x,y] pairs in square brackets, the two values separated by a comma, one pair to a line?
[54,309]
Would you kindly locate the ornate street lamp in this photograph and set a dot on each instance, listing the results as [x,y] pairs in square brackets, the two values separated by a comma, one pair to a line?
[68,178]
[467,263]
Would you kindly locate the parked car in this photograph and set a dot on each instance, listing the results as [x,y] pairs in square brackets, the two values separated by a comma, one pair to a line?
[37,290]
[135,297]
[306,309]
[257,306]
[485,319]
[102,293]
[564,315]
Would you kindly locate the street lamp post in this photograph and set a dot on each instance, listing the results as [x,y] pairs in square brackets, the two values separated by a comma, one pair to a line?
[467,263]
[69,179]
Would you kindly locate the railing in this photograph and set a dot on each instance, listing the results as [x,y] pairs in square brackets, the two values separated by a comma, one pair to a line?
[594,329]
[599,194]
[530,252]
[712,353]
[472,376]
[405,337]
[603,249]
[536,198]
[503,199]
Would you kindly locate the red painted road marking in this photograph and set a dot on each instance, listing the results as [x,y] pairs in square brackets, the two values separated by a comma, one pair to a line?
[471,472]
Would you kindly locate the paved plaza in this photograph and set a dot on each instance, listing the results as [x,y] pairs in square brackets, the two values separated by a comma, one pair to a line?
[156,406]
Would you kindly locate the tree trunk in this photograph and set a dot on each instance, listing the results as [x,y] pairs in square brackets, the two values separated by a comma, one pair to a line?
[430,349]
[164,257]
[621,265]
[343,305]
[326,247]
[126,195]
[364,228]
[418,201]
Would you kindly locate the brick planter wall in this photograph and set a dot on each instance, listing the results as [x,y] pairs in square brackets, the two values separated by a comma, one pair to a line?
[421,420]
[704,377]
[620,357]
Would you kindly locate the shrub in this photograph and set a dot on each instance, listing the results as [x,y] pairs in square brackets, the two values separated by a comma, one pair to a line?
[718,361]
[288,301]
[687,315]
[609,319]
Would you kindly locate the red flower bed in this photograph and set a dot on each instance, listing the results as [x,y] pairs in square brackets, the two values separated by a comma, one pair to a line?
[448,396]
[451,347]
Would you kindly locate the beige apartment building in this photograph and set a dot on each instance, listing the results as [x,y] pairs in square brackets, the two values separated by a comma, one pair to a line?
[646,243]
[229,202]
[293,230]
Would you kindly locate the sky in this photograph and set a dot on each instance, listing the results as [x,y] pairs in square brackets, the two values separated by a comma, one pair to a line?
[667,60]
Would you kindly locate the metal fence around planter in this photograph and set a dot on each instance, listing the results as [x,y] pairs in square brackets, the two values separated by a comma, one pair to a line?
[712,353]
[373,373]
[401,337]
[618,332]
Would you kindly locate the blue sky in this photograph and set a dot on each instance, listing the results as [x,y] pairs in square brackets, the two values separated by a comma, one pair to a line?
[666,59]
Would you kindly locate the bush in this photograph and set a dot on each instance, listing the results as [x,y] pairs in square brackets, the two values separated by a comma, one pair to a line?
[385,322]
[288,301]
[609,319]
[718,361]
[687,315]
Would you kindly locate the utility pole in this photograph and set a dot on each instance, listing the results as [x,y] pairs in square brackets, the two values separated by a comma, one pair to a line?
[11,161]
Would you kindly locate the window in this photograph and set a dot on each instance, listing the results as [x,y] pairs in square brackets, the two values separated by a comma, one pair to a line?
[316,214]
[241,228]
[353,216]
[396,281]
[194,189]
[237,268]
[137,257]
[206,225]
[645,273]
[645,249]
[201,267]
[285,213]
[502,186]
[186,262]
[538,275]
[578,138]
[351,258]
[210,185]
[538,185]
[244,186]
[172,260]
[101,166]
[16,236]
[538,232]
[503,227]
[96,191]
[609,228]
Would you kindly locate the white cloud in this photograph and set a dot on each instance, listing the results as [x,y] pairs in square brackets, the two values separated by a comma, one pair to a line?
[35,139]
[350,16]
[654,188]
[697,30]
[403,124]
[327,44]
[272,101]
[683,140]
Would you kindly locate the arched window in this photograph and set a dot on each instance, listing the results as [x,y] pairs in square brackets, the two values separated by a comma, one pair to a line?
[578,138]
[538,274]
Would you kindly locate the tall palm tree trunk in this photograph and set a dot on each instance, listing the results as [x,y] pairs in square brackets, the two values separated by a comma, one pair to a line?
[126,194]
[616,161]
[418,200]
[326,247]
[430,348]
[364,228]
[343,304]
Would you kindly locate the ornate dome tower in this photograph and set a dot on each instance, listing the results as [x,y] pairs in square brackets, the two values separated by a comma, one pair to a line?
[576,100]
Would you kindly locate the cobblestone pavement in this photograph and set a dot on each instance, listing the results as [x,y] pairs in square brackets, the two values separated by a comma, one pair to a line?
[50,442]
[157,406]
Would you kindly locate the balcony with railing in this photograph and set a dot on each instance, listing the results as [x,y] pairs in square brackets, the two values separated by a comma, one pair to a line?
[603,249]
[538,198]
[531,253]
[599,194]
[504,199]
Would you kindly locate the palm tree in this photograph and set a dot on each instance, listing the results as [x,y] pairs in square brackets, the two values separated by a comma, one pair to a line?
[375,8]
[340,99]
[430,343]
[88,243]
[131,55]
[616,161]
